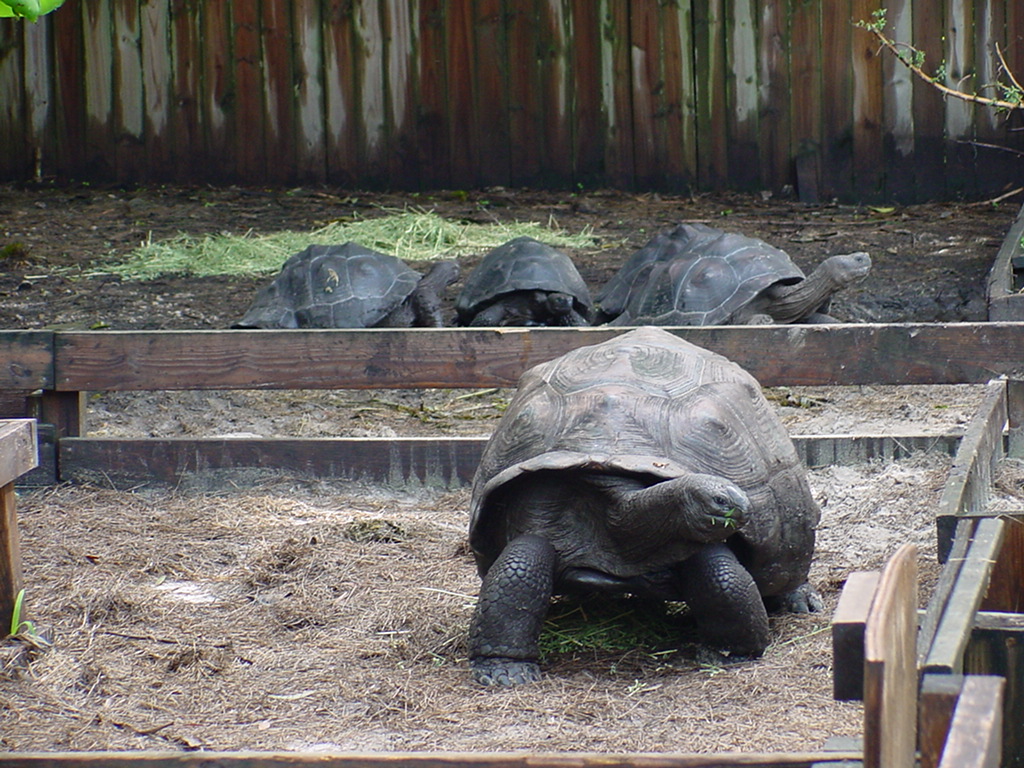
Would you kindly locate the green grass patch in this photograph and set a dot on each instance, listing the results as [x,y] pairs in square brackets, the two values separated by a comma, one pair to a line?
[609,625]
[409,234]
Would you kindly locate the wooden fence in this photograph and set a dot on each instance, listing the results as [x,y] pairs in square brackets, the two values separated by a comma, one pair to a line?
[420,94]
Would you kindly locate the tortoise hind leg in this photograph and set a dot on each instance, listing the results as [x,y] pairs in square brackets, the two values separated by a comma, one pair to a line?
[724,600]
[510,612]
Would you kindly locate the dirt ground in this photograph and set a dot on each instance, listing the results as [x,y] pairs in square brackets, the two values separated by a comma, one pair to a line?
[286,613]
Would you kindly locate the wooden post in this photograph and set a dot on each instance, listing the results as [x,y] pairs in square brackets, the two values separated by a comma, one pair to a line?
[1015,416]
[848,623]
[937,702]
[974,739]
[17,456]
[890,666]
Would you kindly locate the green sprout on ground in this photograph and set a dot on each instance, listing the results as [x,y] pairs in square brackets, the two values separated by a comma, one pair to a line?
[409,234]
[19,625]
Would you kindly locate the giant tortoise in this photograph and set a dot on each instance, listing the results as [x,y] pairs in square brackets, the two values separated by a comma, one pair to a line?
[644,465]
[699,275]
[350,286]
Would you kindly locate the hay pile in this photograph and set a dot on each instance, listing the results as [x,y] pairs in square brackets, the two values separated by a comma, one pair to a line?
[304,615]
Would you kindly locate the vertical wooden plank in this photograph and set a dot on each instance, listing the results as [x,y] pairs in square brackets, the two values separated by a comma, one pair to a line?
[848,623]
[432,124]
[929,109]
[69,106]
[187,149]
[218,94]
[993,170]
[128,93]
[709,57]
[678,44]
[14,164]
[805,66]
[742,92]
[837,100]
[975,735]
[310,138]
[526,135]
[372,88]
[1006,585]
[648,92]
[490,99]
[898,115]
[589,120]
[278,91]
[39,93]
[463,128]
[10,557]
[616,93]
[774,93]
[868,162]
[890,669]
[157,87]
[556,106]
[99,106]
[403,168]
[959,119]
[340,98]
[997,648]
[937,702]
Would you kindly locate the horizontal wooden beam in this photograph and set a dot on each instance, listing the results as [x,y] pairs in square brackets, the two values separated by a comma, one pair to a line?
[18,449]
[27,360]
[792,355]
[415,760]
[439,461]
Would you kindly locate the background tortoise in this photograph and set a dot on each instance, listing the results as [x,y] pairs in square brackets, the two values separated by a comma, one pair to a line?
[524,282]
[643,465]
[699,275]
[349,286]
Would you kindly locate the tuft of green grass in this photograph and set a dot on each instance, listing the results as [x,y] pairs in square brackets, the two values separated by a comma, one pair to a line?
[409,234]
[611,626]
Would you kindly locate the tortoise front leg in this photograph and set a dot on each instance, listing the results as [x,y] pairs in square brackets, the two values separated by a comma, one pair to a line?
[724,600]
[514,598]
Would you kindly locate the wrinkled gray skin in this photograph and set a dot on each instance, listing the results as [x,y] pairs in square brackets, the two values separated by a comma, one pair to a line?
[524,282]
[699,275]
[349,286]
[646,466]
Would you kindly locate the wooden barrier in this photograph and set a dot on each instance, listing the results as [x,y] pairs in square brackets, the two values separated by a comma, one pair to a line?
[1006,277]
[17,456]
[60,367]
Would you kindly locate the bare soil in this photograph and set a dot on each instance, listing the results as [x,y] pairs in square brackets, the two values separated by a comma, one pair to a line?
[277,612]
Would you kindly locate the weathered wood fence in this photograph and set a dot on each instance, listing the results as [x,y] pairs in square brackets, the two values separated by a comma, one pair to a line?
[415,94]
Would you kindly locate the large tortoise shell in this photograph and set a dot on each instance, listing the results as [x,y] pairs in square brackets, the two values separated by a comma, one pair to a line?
[522,264]
[696,275]
[332,286]
[651,405]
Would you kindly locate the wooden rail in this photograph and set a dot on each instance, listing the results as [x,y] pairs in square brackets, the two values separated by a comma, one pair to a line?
[974,622]
[60,367]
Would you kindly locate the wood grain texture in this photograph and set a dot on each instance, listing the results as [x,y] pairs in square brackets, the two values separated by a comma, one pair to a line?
[444,462]
[848,623]
[937,702]
[890,668]
[338,359]
[17,456]
[946,654]
[975,735]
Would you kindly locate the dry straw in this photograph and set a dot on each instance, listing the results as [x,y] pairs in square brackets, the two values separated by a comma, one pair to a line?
[411,234]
